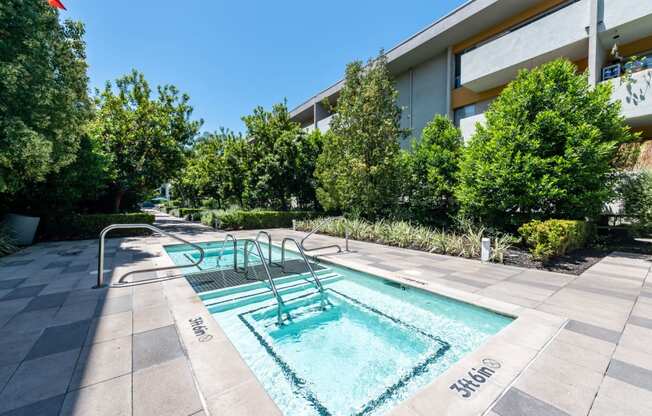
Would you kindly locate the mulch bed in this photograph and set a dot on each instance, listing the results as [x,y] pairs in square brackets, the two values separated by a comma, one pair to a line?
[576,262]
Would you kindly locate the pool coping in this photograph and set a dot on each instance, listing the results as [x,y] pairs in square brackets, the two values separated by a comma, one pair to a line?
[227,384]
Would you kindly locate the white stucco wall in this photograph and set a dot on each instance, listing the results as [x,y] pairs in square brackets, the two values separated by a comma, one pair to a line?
[467,125]
[498,61]
[324,124]
[635,96]
[619,12]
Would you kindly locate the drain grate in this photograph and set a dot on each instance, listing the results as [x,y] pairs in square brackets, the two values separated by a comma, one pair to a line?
[219,279]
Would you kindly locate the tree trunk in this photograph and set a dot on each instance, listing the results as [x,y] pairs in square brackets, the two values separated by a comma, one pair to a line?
[118,200]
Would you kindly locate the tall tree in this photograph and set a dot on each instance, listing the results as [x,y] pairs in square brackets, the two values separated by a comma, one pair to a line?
[359,169]
[281,154]
[143,138]
[43,92]
[547,149]
[432,167]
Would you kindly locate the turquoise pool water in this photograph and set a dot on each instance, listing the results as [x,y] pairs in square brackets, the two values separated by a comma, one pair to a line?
[372,346]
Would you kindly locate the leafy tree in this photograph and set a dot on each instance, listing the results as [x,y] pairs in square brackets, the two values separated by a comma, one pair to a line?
[142,137]
[216,168]
[634,190]
[43,92]
[359,169]
[432,167]
[282,155]
[546,150]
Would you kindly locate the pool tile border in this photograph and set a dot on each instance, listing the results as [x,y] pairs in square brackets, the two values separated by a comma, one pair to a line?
[233,374]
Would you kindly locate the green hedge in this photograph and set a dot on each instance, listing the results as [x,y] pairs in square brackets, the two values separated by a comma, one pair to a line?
[556,237]
[192,214]
[81,227]
[248,220]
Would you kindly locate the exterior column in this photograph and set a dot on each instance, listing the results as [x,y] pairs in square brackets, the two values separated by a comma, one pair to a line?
[450,75]
[596,51]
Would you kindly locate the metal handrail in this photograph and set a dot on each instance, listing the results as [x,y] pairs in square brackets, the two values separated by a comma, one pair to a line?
[272,286]
[235,250]
[337,246]
[269,244]
[315,279]
[100,256]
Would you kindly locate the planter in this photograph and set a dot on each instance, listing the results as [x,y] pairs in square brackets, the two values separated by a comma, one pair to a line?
[23,228]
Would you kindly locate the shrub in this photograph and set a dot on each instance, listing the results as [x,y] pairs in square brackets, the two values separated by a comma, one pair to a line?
[546,150]
[556,237]
[192,214]
[463,243]
[635,192]
[247,220]
[79,227]
[174,212]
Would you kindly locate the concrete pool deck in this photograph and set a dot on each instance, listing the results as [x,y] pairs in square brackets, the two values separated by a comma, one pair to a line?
[582,345]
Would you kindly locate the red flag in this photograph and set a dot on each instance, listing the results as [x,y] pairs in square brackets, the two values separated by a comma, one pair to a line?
[57,4]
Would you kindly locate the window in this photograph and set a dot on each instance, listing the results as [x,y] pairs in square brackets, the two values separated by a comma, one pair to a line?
[458,70]
[463,112]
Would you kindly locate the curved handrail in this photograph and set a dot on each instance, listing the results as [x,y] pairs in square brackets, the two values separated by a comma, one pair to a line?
[100,256]
[315,279]
[269,244]
[317,227]
[305,259]
[279,300]
[235,250]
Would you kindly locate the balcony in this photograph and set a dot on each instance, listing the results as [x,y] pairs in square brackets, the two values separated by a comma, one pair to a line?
[635,96]
[561,33]
[635,15]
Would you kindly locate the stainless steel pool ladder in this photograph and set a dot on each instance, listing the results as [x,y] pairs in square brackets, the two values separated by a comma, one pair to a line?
[337,246]
[269,245]
[235,250]
[279,301]
[100,255]
[315,279]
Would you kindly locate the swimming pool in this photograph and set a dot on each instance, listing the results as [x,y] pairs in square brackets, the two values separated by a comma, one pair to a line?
[373,344]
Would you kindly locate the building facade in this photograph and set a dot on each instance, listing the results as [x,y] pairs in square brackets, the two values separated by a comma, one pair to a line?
[458,65]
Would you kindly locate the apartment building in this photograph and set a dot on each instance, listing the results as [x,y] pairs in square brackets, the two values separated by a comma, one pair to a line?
[459,64]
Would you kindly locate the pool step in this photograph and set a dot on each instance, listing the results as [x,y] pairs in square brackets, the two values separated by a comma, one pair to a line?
[263,289]
[258,284]
[261,295]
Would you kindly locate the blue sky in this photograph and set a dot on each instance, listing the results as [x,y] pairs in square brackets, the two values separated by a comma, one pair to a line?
[231,56]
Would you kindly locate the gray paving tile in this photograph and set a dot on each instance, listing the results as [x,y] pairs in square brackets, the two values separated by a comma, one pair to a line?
[530,282]
[11,283]
[76,311]
[46,301]
[31,321]
[593,331]
[6,372]
[388,267]
[102,361]
[16,263]
[155,347]
[640,321]
[38,379]
[58,264]
[603,292]
[109,398]
[518,403]
[15,346]
[166,389]
[469,282]
[114,305]
[47,407]
[76,268]
[24,292]
[59,339]
[631,374]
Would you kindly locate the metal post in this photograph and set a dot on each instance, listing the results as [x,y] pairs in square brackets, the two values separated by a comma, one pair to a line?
[100,263]
[485,251]
[346,238]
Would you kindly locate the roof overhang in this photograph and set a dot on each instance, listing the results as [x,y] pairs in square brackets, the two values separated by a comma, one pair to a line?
[469,19]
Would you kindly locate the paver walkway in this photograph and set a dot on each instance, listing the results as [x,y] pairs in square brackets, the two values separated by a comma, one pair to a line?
[66,348]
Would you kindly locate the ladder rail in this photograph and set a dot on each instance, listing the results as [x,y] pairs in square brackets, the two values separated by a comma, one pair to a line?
[318,227]
[316,280]
[100,256]
[235,250]
[279,300]
[269,244]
